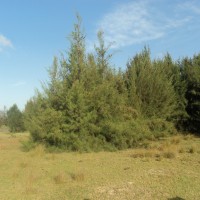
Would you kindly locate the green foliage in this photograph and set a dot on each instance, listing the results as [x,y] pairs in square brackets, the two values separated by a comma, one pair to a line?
[27,145]
[160,128]
[191,74]
[150,91]
[15,119]
[173,71]
[3,117]
[86,105]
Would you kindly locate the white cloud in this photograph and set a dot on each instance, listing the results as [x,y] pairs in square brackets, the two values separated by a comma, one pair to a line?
[137,22]
[5,42]
[173,23]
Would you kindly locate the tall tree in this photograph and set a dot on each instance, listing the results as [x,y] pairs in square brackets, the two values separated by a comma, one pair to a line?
[87,104]
[3,117]
[76,55]
[173,72]
[15,119]
[191,74]
[150,91]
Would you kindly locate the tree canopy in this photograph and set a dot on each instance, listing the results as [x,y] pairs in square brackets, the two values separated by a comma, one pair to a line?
[87,104]
[15,119]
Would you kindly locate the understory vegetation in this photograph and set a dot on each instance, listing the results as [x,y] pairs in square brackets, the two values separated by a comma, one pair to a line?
[89,105]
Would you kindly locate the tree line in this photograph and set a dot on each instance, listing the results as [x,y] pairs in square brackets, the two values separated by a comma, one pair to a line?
[87,104]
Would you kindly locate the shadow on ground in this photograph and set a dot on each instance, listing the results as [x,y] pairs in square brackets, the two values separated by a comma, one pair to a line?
[176,198]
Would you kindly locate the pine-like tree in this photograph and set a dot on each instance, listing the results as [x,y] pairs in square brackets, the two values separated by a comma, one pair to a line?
[151,92]
[15,119]
[191,73]
[173,72]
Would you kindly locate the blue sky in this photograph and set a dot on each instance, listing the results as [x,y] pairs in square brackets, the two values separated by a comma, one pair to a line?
[33,32]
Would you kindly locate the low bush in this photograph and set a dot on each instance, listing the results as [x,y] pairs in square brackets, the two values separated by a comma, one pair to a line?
[27,145]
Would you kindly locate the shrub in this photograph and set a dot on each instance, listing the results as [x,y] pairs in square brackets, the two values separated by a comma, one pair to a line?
[28,145]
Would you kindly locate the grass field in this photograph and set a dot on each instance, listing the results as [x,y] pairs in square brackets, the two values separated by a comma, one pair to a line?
[169,169]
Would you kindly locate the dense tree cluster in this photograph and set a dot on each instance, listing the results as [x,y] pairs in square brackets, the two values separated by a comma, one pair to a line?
[191,75]
[89,105]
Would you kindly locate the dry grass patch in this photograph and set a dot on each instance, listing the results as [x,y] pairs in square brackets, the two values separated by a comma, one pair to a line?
[38,151]
[16,174]
[103,175]
[143,153]
[23,164]
[176,139]
[192,149]
[51,156]
[169,154]
[77,176]
[188,137]
[181,150]
[2,147]
[30,184]
[167,149]
[60,178]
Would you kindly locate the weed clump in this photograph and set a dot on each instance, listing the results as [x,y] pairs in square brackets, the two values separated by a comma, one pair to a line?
[59,178]
[192,149]
[28,145]
[77,176]
[175,140]
[169,154]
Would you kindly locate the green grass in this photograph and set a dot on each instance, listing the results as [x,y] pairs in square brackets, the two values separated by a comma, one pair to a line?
[167,169]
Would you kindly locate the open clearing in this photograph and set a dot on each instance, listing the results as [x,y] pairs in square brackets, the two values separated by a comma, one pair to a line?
[168,170]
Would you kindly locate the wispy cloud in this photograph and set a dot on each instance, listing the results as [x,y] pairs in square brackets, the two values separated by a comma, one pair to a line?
[192,5]
[18,84]
[5,42]
[137,22]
